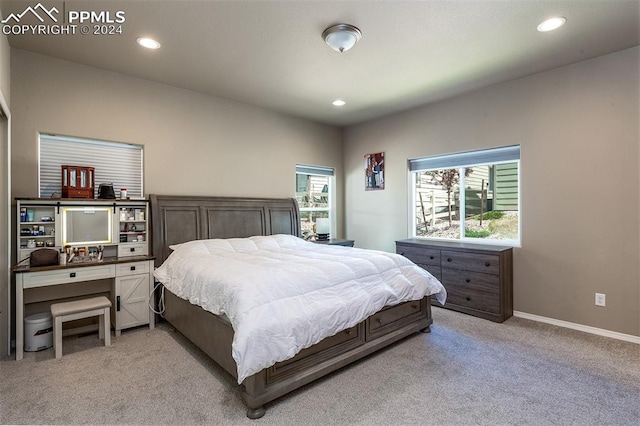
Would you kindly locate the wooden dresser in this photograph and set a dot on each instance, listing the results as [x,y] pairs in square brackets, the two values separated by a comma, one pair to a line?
[478,278]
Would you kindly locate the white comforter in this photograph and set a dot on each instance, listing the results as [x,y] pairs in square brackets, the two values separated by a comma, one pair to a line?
[283,294]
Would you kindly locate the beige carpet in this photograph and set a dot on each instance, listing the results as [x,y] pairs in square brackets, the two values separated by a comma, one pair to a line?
[467,371]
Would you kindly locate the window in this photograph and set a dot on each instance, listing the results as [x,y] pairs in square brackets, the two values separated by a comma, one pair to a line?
[469,196]
[116,163]
[314,192]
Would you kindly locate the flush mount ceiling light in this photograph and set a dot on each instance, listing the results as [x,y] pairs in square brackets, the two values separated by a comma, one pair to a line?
[341,37]
[149,43]
[338,102]
[552,24]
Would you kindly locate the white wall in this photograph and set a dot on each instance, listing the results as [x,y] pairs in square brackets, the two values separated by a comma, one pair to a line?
[578,128]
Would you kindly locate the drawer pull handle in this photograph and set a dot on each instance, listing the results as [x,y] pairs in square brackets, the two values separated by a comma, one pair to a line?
[378,320]
[414,307]
[431,257]
[448,259]
[401,253]
[348,332]
[468,299]
[132,249]
[72,275]
[487,263]
[133,268]
[468,280]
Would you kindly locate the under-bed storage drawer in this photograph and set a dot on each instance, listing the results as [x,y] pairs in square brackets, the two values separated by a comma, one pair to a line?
[390,318]
[323,350]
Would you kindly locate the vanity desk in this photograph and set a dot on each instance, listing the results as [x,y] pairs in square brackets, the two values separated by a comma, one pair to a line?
[130,286]
[124,273]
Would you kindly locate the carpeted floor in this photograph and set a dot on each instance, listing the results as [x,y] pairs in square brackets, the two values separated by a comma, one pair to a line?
[466,371]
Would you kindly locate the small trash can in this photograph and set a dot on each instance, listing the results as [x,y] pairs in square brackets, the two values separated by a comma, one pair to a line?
[38,332]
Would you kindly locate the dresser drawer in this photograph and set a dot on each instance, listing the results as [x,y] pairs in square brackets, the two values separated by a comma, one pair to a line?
[409,311]
[487,263]
[422,255]
[133,249]
[436,271]
[67,275]
[133,268]
[471,297]
[472,289]
[470,280]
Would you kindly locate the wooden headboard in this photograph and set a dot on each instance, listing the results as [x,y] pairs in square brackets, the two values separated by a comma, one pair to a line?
[176,219]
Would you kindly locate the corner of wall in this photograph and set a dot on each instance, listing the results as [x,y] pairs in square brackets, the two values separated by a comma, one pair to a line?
[5,68]
[5,196]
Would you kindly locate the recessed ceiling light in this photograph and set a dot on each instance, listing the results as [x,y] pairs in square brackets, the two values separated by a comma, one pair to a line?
[149,43]
[338,102]
[551,24]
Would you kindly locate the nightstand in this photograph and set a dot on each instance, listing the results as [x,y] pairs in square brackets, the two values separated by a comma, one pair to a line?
[336,242]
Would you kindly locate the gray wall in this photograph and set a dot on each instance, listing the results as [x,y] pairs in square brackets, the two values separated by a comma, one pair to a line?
[4,191]
[5,69]
[576,121]
[193,144]
[578,131]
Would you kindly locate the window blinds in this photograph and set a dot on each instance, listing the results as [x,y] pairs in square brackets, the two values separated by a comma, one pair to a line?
[118,163]
[314,170]
[466,159]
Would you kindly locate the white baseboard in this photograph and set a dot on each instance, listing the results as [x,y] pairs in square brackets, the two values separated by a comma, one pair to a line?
[579,327]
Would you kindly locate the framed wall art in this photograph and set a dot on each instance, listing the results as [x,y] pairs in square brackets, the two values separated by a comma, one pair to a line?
[374,171]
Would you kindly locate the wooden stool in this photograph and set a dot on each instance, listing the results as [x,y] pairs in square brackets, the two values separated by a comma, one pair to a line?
[77,309]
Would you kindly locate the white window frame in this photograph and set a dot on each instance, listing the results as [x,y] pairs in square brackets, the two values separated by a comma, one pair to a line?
[121,164]
[462,160]
[302,169]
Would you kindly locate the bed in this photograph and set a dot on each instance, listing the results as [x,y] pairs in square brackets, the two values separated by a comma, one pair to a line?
[184,222]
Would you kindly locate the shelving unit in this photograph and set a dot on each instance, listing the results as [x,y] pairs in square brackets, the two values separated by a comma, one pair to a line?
[39,223]
[33,231]
[132,230]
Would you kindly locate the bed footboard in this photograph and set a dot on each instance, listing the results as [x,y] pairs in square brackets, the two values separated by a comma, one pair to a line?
[214,335]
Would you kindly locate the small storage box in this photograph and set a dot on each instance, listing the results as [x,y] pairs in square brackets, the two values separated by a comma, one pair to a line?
[38,332]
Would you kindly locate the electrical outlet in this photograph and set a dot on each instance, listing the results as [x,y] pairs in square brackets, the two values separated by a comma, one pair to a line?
[601,299]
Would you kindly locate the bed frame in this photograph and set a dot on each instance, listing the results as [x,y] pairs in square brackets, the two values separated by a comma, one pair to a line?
[177,219]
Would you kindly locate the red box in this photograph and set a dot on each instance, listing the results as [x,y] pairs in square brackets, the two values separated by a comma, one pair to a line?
[78,181]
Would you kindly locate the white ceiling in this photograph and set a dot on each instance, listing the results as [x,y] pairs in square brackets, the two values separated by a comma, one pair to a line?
[271,54]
